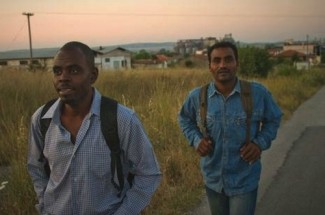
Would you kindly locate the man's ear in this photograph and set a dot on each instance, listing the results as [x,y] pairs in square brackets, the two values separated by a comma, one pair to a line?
[94,75]
[209,66]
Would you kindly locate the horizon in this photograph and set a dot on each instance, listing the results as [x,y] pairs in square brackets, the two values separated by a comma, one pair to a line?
[109,23]
[130,44]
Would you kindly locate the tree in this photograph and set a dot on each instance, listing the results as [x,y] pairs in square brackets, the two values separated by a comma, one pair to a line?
[254,62]
[142,54]
[165,52]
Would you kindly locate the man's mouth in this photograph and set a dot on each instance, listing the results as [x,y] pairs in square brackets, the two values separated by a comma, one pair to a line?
[65,90]
[223,71]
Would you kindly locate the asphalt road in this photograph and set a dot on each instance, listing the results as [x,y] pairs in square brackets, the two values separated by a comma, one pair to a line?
[298,188]
[293,174]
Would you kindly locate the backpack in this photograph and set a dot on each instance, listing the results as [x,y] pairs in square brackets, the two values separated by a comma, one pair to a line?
[247,102]
[108,116]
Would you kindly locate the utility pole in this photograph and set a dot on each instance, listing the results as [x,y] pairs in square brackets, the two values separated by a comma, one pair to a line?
[30,36]
[307,58]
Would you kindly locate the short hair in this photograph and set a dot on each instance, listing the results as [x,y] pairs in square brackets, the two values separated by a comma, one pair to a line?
[86,50]
[223,44]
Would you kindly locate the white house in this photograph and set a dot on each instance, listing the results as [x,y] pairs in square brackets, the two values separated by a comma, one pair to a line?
[105,59]
[113,59]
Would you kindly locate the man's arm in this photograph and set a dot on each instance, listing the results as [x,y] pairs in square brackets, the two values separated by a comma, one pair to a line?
[188,123]
[270,124]
[35,164]
[145,168]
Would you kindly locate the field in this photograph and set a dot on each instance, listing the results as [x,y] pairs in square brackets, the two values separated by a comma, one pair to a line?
[156,96]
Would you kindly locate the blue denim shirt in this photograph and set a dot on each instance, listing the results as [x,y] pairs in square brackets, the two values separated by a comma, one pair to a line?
[223,168]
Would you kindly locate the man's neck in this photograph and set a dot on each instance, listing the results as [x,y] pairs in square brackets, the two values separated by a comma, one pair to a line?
[80,109]
[225,88]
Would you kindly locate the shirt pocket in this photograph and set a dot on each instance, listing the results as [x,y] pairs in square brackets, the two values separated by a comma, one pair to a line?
[240,124]
[211,120]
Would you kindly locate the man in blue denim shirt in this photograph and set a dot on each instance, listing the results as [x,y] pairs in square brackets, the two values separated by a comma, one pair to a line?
[231,168]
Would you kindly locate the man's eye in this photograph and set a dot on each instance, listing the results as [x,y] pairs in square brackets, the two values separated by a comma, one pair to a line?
[229,60]
[56,71]
[216,61]
[74,70]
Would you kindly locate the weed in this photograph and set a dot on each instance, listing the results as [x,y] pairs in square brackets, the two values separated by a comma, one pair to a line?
[156,96]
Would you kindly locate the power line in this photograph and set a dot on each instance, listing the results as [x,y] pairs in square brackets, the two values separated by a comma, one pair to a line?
[17,34]
[184,15]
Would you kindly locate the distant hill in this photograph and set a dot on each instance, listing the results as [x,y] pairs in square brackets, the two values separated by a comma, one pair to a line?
[134,47]
[25,53]
[154,47]
[50,52]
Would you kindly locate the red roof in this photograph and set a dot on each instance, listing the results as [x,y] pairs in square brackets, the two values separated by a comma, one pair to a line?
[161,57]
[290,53]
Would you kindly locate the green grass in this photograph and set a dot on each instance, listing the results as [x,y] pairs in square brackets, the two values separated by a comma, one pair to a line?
[156,96]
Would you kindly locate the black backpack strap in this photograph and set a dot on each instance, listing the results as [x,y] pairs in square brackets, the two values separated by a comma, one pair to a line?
[44,125]
[203,109]
[108,121]
[247,101]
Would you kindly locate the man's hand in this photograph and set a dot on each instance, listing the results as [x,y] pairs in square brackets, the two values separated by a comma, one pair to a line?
[250,152]
[205,147]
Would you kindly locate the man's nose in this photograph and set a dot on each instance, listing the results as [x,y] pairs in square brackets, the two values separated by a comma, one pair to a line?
[222,63]
[65,75]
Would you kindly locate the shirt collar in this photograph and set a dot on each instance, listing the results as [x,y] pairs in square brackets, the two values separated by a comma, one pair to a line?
[94,109]
[95,105]
[212,90]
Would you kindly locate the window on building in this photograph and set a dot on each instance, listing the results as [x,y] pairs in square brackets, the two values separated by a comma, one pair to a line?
[3,63]
[23,62]
[35,62]
[124,63]
[107,60]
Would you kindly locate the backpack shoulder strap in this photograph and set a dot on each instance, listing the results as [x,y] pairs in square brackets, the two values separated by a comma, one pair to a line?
[44,125]
[203,109]
[247,102]
[108,121]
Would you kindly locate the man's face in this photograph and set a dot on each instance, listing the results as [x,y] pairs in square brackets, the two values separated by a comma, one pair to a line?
[223,65]
[72,75]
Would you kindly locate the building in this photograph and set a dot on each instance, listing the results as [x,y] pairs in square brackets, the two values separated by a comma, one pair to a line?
[105,59]
[113,59]
[302,54]
[199,46]
[302,47]
[20,59]
[192,46]
[158,61]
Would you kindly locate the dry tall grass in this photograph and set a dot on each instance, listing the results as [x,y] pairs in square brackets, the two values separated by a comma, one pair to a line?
[156,96]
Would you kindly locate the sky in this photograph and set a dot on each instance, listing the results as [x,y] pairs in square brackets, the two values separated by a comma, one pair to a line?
[114,22]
